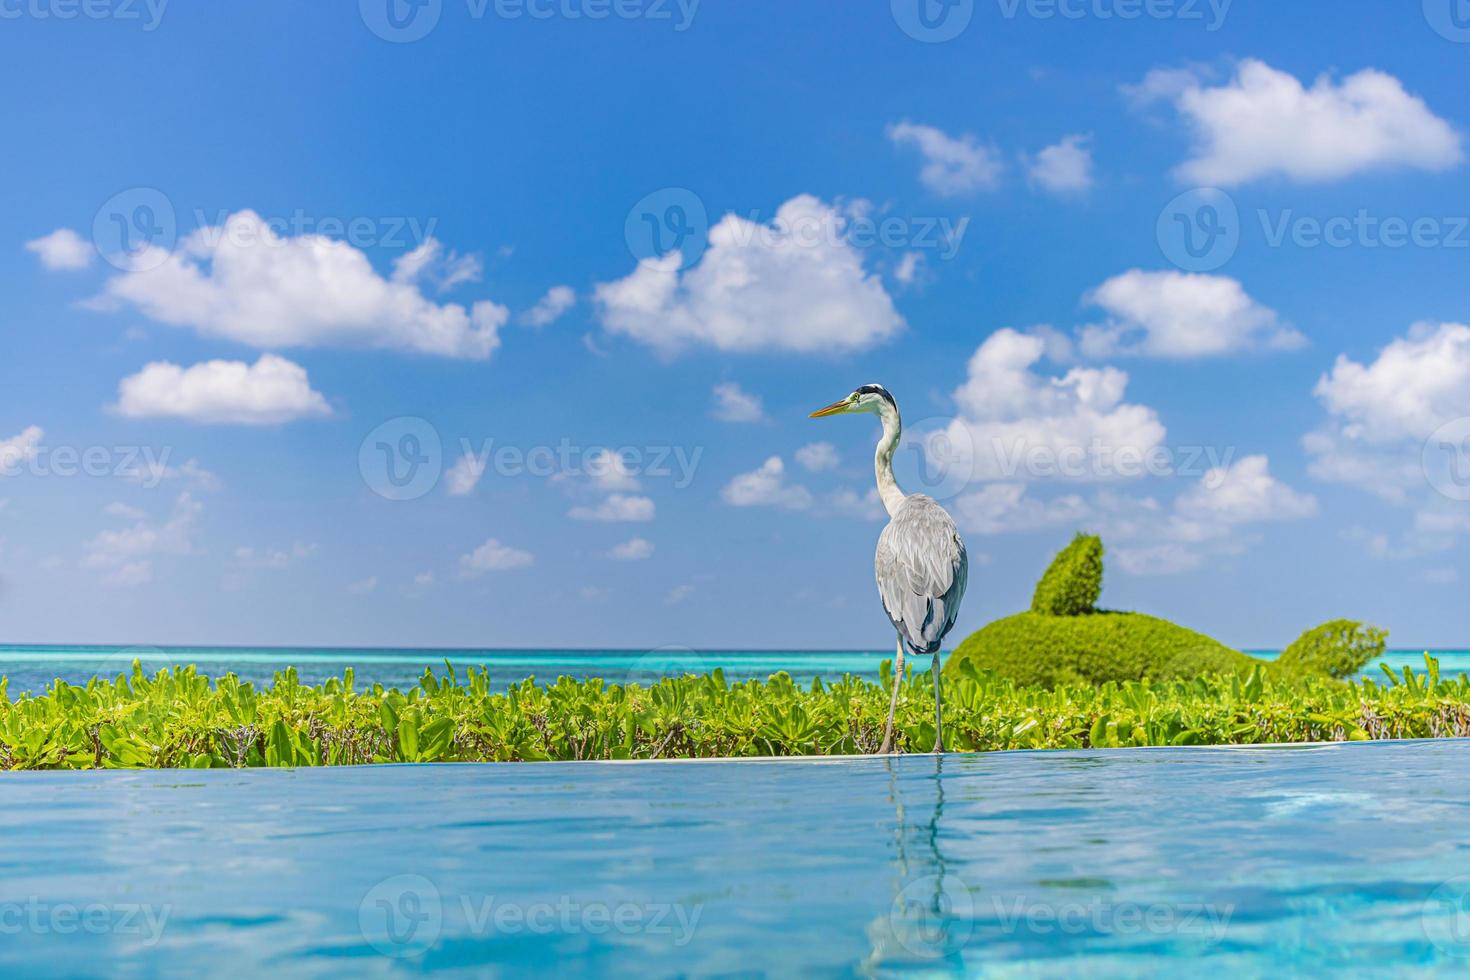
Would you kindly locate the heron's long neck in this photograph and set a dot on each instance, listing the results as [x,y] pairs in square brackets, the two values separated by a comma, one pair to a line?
[888,489]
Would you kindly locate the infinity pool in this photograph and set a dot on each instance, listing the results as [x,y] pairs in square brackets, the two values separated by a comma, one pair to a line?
[1243,861]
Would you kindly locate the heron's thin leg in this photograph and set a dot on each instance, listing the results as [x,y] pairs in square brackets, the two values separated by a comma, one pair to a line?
[893,701]
[938,709]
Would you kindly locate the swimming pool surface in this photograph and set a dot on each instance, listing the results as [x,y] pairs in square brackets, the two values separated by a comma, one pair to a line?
[1348,858]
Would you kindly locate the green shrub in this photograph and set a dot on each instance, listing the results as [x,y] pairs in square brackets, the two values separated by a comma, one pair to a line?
[1046,651]
[1339,648]
[1073,582]
[180,719]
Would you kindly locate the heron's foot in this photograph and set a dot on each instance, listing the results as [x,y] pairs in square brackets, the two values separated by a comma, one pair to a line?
[939,747]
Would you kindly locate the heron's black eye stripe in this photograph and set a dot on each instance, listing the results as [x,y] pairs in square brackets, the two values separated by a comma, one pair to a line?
[877,390]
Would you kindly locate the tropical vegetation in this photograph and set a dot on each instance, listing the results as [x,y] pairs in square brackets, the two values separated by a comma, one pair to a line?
[179,718]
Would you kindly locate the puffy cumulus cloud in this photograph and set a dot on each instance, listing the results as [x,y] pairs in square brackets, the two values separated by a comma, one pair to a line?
[734,404]
[766,487]
[795,285]
[62,250]
[1399,427]
[550,308]
[634,549]
[615,508]
[493,556]
[1018,424]
[1005,508]
[1264,122]
[817,456]
[245,283]
[20,449]
[1064,167]
[125,555]
[953,165]
[1181,315]
[271,391]
[461,479]
[1207,519]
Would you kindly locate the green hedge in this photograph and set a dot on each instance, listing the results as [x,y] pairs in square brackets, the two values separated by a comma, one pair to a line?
[178,718]
[1032,649]
[1072,583]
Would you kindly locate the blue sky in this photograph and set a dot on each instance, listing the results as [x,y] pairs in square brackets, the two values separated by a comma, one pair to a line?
[335,229]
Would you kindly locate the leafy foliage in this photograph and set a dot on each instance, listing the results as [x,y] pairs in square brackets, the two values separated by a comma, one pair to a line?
[1339,648]
[1072,583]
[178,718]
[1044,651]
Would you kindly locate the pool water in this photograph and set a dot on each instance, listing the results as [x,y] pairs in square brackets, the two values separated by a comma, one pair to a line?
[1348,858]
[33,668]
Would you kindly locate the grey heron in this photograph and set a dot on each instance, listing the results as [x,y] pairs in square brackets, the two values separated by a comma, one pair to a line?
[920,565]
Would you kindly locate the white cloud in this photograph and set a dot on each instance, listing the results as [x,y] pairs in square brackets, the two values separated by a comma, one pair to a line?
[795,285]
[766,487]
[1006,508]
[125,555]
[1182,315]
[123,511]
[492,556]
[1383,434]
[1207,518]
[817,456]
[19,449]
[1064,167]
[616,507]
[634,549]
[864,506]
[63,249]
[1264,122]
[271,391]
[1442,576]
[430,262]
[910,268]
[610,471]
[549,308]
[273,558]
[423,580]
[678,594]
[244,283]
[735,404]
[364,587]
[461,478]
[953,165]
[1017,424]
[150,472]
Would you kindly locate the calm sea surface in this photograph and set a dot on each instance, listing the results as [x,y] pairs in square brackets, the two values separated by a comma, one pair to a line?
[32,668]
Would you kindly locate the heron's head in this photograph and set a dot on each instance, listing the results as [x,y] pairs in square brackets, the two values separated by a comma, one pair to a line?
[870,399]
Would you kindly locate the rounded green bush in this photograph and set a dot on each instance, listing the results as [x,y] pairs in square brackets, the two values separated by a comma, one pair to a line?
[1072,583]
[1034,649]
[1338,648]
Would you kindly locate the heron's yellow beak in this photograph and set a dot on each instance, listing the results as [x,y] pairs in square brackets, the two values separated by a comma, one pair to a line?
[833,409]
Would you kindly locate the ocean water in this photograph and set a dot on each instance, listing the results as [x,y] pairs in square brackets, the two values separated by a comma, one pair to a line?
[33,668]
[1347,859]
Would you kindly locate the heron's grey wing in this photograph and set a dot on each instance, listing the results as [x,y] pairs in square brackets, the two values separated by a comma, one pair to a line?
[922,570]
